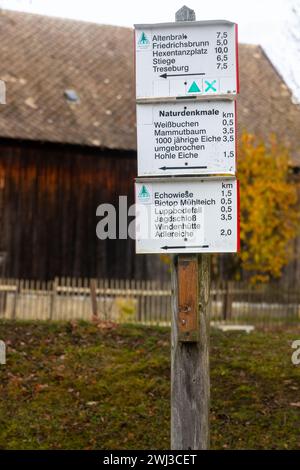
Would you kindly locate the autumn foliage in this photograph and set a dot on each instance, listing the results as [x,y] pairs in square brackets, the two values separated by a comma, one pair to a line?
[269,208]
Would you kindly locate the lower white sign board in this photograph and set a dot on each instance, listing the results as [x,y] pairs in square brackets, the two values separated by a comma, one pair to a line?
[183,138]
[187,215]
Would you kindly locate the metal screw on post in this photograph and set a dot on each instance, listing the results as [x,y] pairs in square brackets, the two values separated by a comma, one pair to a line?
[190,384]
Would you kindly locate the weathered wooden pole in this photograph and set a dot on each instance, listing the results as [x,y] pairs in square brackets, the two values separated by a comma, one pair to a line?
[94,299]
[190,384]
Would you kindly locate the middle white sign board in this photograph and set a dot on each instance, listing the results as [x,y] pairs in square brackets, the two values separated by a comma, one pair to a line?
[189,215]
[186,138]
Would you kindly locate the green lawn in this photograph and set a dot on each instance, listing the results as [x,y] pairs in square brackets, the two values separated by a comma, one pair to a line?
[78,386]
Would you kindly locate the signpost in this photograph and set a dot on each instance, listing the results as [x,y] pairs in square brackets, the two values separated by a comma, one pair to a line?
[187,196]
[194,59]
[194,138]
[187,215]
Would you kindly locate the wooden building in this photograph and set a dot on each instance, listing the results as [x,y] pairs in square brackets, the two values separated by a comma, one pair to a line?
[68,142]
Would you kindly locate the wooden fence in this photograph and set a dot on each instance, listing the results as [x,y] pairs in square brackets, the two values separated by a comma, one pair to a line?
[69,298]
[263,304]
[140,301]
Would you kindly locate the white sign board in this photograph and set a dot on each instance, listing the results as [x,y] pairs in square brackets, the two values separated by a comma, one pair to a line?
[186,138]
[187,215]
[194,58]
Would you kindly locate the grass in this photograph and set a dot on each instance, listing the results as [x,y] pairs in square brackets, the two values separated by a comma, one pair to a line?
[78,386]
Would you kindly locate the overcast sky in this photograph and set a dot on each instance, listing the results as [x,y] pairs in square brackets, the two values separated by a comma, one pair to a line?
[264,22]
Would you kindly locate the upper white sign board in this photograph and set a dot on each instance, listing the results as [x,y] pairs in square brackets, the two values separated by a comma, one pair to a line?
[186,138]
[187,215]
[186,59]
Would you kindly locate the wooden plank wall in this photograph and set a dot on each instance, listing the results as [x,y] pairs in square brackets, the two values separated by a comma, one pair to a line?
[48,223]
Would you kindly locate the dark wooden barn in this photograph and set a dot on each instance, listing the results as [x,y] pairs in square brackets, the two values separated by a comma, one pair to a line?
[68,142]
[48,216]
[67,145]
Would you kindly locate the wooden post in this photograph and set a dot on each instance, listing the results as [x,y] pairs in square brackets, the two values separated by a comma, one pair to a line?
[53,295]
[190,385]
[227,300]
[15,301]
[94,299]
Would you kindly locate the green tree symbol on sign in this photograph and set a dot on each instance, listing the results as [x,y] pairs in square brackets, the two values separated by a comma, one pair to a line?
[144,193]
[143,39]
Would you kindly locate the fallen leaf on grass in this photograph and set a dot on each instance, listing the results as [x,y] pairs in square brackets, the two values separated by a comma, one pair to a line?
[40,387]
[106,325]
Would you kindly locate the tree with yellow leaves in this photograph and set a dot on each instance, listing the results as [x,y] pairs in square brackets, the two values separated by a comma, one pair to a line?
[270,215]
